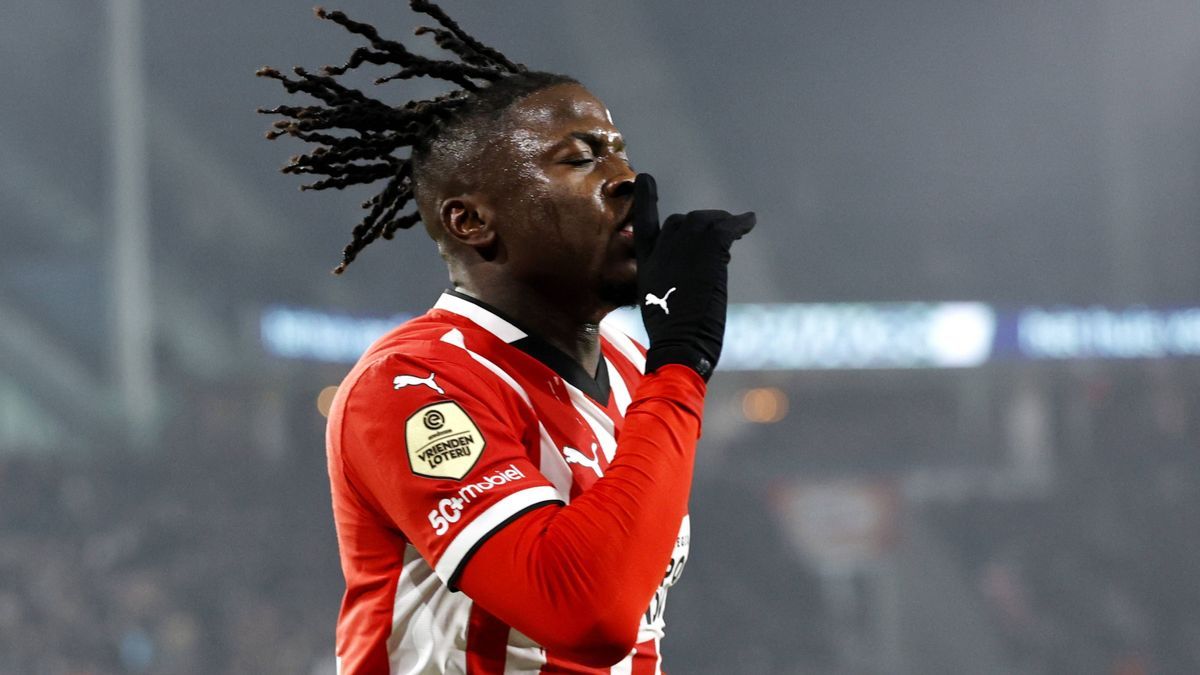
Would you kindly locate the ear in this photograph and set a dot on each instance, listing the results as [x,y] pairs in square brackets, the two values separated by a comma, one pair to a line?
[468,220]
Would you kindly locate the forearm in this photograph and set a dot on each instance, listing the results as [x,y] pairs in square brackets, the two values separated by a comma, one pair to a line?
[577,578]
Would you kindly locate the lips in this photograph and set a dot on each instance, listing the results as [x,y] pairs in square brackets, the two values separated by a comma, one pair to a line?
[625,227]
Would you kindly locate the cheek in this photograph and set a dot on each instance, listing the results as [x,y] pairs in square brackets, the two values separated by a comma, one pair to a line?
[522,193]
[561,214]
[581,208]
[541,211]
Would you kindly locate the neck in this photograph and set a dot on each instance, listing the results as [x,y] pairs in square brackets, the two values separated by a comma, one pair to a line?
[571,327]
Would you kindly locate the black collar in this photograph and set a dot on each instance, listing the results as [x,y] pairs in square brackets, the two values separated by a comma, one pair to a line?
[596,387]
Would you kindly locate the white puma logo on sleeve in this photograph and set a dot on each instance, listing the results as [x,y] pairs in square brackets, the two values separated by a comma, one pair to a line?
[652,299]
[402,381]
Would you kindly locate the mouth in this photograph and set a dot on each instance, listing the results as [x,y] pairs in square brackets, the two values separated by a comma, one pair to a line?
[625,227]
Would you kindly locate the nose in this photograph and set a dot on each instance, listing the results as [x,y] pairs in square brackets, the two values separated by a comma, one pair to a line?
[620,185]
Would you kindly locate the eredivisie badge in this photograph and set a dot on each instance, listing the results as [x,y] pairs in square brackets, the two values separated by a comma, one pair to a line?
[443,441]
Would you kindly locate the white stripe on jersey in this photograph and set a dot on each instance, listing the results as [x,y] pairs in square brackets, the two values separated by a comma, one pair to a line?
[596,418]
[428,622]
[552,465]
[619,389]
[625,665]
[487,521]
[455,337]
[484,318]
[525,657]
[625,345]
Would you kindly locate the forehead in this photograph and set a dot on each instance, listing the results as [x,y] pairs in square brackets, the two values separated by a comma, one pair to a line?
[559,110]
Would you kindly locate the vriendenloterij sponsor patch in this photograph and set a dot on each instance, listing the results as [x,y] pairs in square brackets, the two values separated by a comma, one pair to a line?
[443,441]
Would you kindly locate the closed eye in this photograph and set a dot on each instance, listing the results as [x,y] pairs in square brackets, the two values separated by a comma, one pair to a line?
[582,161]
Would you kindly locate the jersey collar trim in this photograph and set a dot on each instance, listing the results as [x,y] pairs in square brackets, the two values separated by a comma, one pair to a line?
[480,313]
[598,388]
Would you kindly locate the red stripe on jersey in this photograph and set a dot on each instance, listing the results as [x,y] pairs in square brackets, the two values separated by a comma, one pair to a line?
[626,369]
[362,634]
[487,643]
[645,660]
[559,666]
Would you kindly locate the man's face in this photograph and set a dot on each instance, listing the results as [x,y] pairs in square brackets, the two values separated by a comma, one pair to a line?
[561,187]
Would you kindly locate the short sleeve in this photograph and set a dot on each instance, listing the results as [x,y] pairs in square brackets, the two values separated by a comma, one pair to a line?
[442,453]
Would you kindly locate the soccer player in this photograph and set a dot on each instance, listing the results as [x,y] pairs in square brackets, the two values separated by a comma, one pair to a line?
[510,479]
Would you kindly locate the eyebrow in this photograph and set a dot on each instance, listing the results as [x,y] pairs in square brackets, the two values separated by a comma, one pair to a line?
[595,140]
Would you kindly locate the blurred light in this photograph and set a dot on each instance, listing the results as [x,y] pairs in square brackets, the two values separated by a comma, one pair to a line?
[961,334]
[325,400]
[321,336]
[765,405]
[835,336]
[1099,332]
[857,335]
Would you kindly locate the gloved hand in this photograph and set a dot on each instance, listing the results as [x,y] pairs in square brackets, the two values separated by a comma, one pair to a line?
[682,279]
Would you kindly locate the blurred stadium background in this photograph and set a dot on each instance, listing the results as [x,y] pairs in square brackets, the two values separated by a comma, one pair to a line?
[958,428]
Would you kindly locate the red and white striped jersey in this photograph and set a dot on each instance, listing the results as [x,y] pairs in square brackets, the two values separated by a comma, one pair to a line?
[448,428]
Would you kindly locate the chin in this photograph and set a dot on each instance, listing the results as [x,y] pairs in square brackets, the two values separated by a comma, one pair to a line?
[621,293]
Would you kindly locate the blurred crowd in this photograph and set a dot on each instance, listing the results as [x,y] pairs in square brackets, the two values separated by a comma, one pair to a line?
[202,558]
[1103,575]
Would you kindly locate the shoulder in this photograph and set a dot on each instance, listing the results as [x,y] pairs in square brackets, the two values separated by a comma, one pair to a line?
[421,360]
[418,378]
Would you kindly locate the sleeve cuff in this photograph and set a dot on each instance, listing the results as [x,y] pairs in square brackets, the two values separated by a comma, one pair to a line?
[658,357]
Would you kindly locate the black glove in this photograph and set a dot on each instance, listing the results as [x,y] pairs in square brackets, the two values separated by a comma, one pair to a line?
[682,279]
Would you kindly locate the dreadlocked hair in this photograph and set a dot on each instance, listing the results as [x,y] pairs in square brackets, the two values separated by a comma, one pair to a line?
[357,136]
